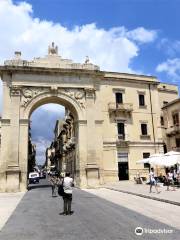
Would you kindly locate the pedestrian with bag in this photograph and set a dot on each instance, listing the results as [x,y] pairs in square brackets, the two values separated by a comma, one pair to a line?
[152,181]
[65,190]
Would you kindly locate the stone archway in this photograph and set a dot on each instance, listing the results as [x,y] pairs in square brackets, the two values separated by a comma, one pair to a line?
[28,85]
[70,103]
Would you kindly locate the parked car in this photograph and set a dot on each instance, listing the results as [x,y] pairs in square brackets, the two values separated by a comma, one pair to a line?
[33,177]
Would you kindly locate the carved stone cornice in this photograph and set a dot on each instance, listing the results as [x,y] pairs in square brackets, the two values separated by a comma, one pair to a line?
[81,122]
[99,121]
[5,122]
[24,122]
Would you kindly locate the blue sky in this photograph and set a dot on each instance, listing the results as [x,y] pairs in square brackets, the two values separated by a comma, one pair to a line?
[135,36]
[159,15]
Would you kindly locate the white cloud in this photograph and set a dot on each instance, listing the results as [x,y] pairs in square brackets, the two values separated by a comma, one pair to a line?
[169,47]
[51,107]
[112,49]
[171,67]
[142,35]
[41,145]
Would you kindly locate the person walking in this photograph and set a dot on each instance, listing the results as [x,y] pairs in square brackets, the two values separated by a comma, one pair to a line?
[67,196]
[170,180]
[152,181]
[54,182]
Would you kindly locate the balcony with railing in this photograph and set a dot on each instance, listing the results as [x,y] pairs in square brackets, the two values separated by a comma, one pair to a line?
[120,107]
[173,130]
[122,140]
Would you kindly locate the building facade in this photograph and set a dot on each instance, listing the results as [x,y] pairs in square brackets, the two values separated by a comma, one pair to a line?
[64,144]
[116,118]
[171,125]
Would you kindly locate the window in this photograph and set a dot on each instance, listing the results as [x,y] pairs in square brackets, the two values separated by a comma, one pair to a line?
[162,121]
[165,148]
[143,128]
[146,155]
[175,117]
[121,131]
[119,97]
[178,142]
[141,100]
[122,156]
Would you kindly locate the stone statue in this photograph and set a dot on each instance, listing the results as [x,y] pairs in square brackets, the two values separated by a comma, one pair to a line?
[87,60]
[52,50]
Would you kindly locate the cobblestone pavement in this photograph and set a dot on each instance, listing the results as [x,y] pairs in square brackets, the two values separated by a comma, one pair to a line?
[96,218]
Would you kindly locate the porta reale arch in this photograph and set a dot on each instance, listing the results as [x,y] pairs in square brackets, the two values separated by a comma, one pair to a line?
[28,85]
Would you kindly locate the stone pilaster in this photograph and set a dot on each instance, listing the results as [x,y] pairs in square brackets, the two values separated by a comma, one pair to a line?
[23,151]
[13,170]
[15,114]
[81,153]
[92,165]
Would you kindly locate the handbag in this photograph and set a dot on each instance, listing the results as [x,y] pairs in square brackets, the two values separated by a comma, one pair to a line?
[61,189]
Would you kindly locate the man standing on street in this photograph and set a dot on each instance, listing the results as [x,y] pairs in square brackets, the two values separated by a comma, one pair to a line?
[67,197]
[152,180]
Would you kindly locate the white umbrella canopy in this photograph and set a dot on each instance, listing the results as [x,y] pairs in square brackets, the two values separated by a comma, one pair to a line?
[145,160]
[169,159]
[173,157]
[155,158]
[151,159]
[166,161]
[172,153]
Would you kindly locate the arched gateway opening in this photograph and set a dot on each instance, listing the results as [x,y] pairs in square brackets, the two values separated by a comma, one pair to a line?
[29,85]
[60,155]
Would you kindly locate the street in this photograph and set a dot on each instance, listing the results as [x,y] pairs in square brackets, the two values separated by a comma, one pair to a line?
[96,218]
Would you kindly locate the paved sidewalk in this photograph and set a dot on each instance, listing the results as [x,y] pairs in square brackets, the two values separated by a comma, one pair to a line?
[8,203]
[142,190]
[37,218]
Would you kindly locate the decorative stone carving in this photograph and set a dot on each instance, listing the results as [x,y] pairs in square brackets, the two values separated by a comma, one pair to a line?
[52,60]
[15,91]
[90,92]
[77,94]
[52,50]
[28,93]
[87,60]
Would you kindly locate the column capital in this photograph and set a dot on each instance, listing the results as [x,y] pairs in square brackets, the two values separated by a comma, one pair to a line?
[15,91]
[24,121]
[90,92]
